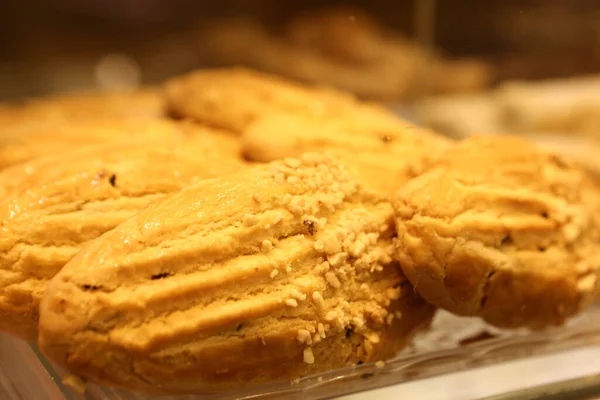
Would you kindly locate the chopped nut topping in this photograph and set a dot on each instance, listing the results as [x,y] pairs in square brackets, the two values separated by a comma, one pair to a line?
[308,355]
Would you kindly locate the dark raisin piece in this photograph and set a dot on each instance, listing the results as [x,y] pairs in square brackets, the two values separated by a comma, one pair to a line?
[545,215]
[349,331]
[386,138]
[506,241]
[160,276]
[239,327]
[360,362]
[310,226]
[90,287]
[113,180]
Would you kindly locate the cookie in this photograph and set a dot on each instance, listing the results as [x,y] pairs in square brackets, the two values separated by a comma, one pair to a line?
[54,205]
[501,230]
[29,142]
[275,272]
[232,98]
[144,103]
[385,153]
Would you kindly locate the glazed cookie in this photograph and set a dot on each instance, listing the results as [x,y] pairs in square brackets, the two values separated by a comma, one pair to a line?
[502,230]
[275,272]
[386,153]
[233,98]
[55,205]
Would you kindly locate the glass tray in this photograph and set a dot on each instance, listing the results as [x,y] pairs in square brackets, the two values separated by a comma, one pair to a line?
[452,344]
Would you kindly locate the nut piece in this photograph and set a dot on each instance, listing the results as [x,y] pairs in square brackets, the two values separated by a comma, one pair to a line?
[383,151]
[185,281]
[58,203]
[232,98]
[500,229]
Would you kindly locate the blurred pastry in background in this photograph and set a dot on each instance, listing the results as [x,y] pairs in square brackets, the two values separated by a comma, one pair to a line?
[341,47]
[562,106]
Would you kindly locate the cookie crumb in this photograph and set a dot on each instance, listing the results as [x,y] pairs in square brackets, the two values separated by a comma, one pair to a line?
[250,219]
[292,162]
[321,330]
[75,383]
[318,299]
[308,355]
[266,246]
[304,336]
[274,273]
[380,364]
[291,303]
[333,280]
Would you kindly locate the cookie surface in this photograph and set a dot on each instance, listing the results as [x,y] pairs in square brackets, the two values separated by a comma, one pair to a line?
[25,142]
[384,152]
[53,205]
[232,98]
[500,229]
[144,103]
[275,272]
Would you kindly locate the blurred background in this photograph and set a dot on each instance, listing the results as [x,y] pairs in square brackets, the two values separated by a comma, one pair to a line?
[62,45]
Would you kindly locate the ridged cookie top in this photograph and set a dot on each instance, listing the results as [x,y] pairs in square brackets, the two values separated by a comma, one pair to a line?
[62,149]
[145,103]
[232,98]
[26,142]
[385,152]
[59,205]
[251,271]
[502,230]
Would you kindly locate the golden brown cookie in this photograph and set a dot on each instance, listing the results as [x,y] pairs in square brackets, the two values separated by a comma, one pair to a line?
[60,203]
[385,153]
[502,230]
[144,103]
[29,142]
[232,98]
[26,142]
[275,272]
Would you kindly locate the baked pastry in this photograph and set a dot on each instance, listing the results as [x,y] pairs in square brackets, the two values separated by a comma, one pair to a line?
[345,48]
[232,98]
[27,142]
[550,106]
[59,203]
[384,153]
[502,230]
[93,143]
[143,103]
[275,272]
